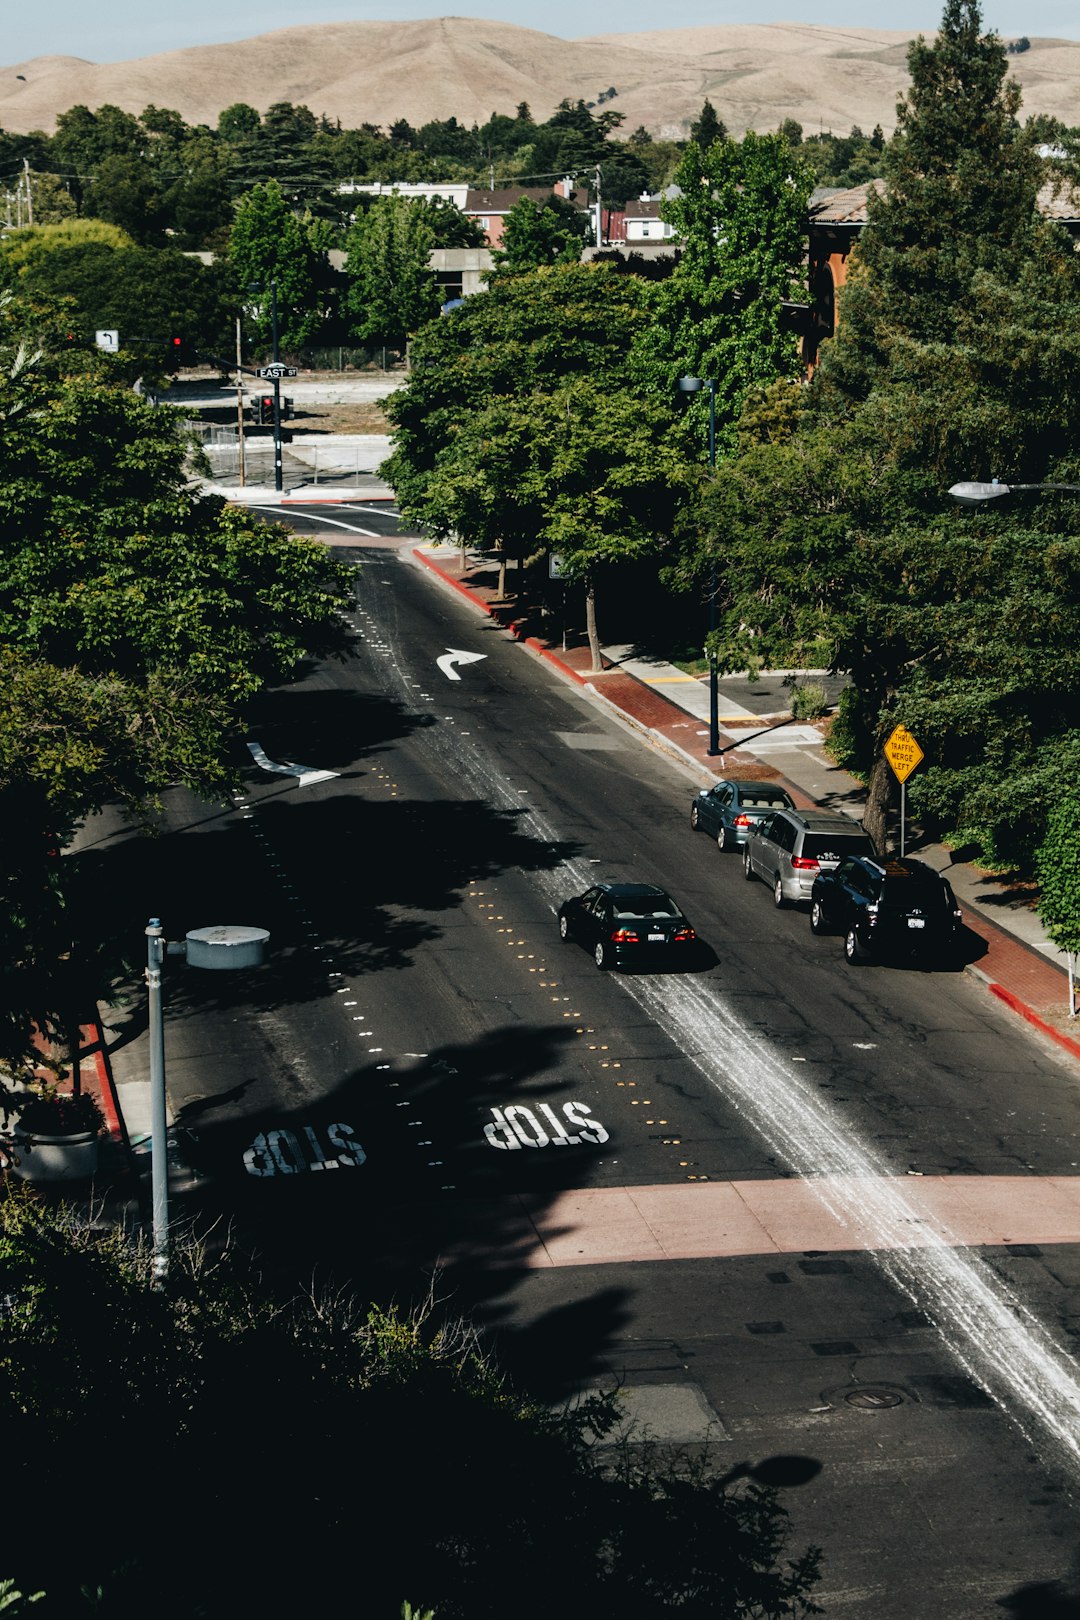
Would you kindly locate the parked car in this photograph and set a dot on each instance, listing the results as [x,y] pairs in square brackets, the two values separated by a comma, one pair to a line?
[730,809]
[791,847]
[628,925]
[883,906]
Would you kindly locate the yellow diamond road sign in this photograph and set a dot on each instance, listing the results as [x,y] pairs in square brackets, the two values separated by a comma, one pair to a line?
[903,753]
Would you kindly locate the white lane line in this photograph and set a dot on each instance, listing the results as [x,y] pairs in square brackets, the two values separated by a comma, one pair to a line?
[996,1337]
[334,523]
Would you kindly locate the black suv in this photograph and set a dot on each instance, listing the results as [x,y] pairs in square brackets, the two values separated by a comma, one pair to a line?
[885,906]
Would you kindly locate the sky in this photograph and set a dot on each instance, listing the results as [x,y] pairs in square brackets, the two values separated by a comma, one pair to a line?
[117,30]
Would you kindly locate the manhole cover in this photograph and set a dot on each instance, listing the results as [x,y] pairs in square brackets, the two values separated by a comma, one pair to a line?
[873,1397]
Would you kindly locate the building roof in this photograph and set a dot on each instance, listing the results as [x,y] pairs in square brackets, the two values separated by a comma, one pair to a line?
[843,207]
[500,201]
[643,208]
[1057,199]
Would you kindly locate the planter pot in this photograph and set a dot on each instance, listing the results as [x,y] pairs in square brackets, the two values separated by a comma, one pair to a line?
[40,1157]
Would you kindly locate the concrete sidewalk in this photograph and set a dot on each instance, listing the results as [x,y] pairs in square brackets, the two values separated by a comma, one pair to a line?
[1018,964]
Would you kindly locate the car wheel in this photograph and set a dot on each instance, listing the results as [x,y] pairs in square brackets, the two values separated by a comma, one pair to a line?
[818,925]
[778,895]
[695,817]
[747,869]
[564,928]
[721,838]
[600,954]
[853,949]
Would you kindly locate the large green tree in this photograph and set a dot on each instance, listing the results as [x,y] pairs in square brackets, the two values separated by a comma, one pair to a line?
[136,620]
[957,356]
[392,290]
[270,249]
[591,474]
[741,220]
[527,334]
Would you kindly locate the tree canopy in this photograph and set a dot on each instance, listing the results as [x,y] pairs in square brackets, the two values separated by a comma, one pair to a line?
[957,356]
[741,218]
[391,287]
[136,618]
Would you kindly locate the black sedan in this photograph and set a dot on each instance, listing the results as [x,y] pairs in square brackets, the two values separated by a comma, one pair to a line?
[886,907]
[731,810]
[628,925]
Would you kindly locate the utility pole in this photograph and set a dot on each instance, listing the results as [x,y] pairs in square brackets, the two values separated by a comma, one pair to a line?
[599,212]
[29,193]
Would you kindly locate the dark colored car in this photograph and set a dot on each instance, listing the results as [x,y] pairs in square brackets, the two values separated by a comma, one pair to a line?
[884,907]
[628,925]
[730,809]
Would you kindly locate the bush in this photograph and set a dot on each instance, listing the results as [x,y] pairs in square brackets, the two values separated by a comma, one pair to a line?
[337,1422]
[809,702]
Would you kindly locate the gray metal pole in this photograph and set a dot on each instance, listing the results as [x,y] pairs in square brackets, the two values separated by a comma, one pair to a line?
[159,1163]
[277,388]
[240,405]
[903,818]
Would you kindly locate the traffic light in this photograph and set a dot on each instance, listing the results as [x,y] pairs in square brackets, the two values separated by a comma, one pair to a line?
[262,410]
[286,408]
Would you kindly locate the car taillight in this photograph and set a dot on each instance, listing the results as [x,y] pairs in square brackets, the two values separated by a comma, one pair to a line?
[742,821]
[683,933]
[625,936]
[804,863]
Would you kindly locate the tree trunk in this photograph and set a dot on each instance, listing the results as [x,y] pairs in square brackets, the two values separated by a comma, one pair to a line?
[590,626]
[878,799]
[500,591]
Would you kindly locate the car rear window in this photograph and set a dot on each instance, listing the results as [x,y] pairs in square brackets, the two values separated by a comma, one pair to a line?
[627,911]
[764,801]
[913,889]
[836,846]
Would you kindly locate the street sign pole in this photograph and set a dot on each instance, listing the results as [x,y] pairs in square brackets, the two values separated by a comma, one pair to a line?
[278,482]
[903,754]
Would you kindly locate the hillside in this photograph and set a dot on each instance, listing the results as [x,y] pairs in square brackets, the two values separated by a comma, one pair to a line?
[754,74]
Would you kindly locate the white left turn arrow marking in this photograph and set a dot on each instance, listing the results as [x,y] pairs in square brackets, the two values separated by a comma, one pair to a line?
[454,655]
[306,775]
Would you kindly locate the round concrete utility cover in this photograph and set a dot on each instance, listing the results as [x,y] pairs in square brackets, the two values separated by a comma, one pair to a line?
[873,1397]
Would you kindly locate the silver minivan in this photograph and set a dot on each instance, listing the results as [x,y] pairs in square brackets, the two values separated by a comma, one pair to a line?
[791,847]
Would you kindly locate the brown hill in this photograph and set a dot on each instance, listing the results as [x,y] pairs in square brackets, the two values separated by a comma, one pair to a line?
[754,74]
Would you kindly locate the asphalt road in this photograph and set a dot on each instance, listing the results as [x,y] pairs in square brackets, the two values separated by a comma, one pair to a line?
[352,1107]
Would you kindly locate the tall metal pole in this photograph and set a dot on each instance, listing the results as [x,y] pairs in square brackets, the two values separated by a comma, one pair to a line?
[277,389]
[240,403]
[714,674]
[159,1164]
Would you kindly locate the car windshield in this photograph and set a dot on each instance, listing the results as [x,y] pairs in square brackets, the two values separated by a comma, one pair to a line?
[836,846]
[636,910]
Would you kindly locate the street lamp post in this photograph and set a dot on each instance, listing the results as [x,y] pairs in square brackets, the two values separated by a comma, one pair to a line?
[223,947]
[692,385]
[972,494]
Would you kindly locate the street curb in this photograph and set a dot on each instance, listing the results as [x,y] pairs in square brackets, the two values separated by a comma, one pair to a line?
[1015,1005]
